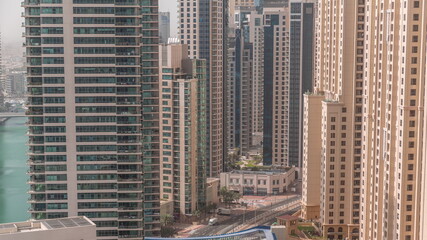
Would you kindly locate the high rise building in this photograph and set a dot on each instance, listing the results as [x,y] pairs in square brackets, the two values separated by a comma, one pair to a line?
[2,77]
[394,125]
[291,76]
[246,18]
[183,129]
[301,74]
[233,7]
[276,80]
[94,150]
[201,27]
[311,162]
[256,37]
[423,211]
[239,83]
[164,26]
[339,91]
[15,82]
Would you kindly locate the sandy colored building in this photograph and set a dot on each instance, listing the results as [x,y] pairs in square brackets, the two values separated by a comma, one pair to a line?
[201,27]
[276,81]
[262,183]
[290,222]
[423,220]
[72,228]
[394,120]
[372,77]
[183,129]
[311,161]
[212,191]
[339,81]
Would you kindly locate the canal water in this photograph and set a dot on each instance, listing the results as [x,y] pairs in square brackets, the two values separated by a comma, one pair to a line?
[13,168]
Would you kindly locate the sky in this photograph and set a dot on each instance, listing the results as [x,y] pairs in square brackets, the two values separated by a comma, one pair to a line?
[10,19]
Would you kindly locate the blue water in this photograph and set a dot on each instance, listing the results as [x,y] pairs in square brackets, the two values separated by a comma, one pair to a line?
[13,168]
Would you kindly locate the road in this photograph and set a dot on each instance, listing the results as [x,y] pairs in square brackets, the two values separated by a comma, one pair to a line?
[234,223]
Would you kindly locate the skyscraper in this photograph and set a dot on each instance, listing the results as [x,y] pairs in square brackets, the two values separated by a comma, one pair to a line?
[93,148]
[2,77]
[201,27]
[423,211]
[286,78]
[239,83]
[301,74]
[394,126]
[256,36]
[339,91]
[311,161]
[183,129]
[276,80]
[164,26]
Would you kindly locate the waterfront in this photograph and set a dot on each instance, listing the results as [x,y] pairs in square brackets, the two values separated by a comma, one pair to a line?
[13,168]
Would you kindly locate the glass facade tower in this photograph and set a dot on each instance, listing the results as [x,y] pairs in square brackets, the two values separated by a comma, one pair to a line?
[93,147]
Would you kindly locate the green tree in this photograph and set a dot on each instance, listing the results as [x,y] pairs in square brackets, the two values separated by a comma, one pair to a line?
[167,230]
[228,196]
[166,220]
[233,160]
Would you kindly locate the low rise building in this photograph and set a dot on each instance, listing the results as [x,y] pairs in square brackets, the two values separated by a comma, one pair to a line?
[271,182]
[71,228]
[212,191]
[291,223]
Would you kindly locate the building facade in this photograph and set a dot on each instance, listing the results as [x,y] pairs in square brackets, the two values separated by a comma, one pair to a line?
[256,36]
[300,74]
[292,76]
[394,120]
[201,27]
[2,77]
[93,148]
[311,161]
[258,182]
[15,83]
[183,129]
[276,81]
[423,217]
[239,84]
[339,90]
[164,26]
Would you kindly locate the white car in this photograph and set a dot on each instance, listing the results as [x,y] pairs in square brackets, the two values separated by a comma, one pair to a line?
[212,221]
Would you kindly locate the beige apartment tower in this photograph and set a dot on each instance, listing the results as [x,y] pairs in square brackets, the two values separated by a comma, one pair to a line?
[372,77]
[338,91]
[394,120]
[423,220]
[183,129]
[201,27]
[312,159]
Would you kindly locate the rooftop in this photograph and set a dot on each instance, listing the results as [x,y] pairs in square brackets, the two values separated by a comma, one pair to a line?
[263,172]
[45,225]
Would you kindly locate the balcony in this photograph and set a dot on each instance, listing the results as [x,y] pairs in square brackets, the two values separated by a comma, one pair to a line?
[30,3]
[31,113]
[127,3]
[36,199]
